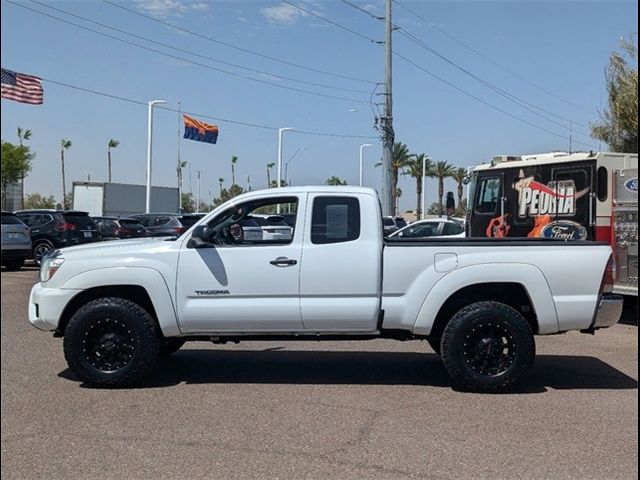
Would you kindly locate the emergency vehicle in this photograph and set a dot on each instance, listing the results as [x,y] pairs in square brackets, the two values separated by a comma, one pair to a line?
[570,196]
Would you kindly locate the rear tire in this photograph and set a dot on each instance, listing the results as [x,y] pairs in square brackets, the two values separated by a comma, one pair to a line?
[40,249]
[13,265]
[111,342]
[487,347]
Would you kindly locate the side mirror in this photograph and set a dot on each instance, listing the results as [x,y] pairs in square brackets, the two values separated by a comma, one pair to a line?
[466,180]
[200,237]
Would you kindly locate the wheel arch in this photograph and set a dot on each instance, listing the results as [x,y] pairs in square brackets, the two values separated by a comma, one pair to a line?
[521,286]
[150,292]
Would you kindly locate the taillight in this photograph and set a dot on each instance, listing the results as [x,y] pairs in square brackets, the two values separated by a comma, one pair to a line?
[179,230]
[65,227]
[609,276]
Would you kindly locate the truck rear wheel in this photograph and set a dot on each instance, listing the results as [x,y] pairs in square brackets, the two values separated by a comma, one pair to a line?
[111,342]
[487,347]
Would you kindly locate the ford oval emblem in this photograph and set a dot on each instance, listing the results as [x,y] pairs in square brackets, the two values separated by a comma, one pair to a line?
[564,230]
[632,185]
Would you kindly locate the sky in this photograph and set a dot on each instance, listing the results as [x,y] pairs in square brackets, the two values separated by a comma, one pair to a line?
[507,77]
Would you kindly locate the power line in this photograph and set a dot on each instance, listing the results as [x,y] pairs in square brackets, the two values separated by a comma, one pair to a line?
[189,52]
[363,10]
[484,102]
[331,22]
[509,96]
[493,62]
[197,114]
[235,47]
[183,59]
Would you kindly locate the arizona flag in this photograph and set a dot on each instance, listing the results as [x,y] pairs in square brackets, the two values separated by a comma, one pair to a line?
[200,131]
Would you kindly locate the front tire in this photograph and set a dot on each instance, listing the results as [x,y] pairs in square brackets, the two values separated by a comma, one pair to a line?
[487,347]
[111,342]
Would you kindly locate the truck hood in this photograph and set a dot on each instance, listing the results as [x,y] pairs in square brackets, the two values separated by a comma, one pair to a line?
[119,247]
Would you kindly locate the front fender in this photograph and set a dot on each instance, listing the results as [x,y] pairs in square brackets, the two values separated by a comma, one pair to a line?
[529,276]
[149,279]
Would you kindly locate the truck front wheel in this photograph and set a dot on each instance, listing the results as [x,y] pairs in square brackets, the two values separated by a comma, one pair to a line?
[487,347]
[111,342]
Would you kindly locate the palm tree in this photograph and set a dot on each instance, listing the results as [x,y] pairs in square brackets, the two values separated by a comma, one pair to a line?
[64,145]
[23,135]
[269,167]
[414,168]
[399,160]
[442,170]
[112,144]
[459,175]
[234,160]
[221,181]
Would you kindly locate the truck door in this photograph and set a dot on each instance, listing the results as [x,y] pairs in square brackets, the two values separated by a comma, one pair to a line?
[488,218]
[245,281]
[341,273]
[575,205]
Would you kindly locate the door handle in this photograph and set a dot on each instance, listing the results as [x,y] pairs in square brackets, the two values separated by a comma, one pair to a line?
[283,262]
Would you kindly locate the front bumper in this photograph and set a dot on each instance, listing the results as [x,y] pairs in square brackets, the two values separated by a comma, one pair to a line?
[609,311]
[47,304]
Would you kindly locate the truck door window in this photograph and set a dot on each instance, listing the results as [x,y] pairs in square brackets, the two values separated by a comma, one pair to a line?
[335,220]
[603,183]
[488,195]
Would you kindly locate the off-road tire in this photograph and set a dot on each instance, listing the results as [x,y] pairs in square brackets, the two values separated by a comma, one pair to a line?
[94,325]
[460,355]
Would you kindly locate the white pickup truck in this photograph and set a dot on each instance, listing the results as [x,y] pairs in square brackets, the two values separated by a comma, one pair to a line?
[478,302]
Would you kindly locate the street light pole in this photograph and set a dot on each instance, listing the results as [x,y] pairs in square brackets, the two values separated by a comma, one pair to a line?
[286,165]
[151,104]
[279,183]
[363,146]
[424,177]
[198,193]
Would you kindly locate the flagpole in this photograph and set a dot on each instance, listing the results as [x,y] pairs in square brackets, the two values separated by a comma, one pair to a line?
[179,168]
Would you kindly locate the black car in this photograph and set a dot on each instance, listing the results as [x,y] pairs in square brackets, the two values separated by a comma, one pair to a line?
[112,228]
[188,220]
[392,224]
[161,224]
[51,229]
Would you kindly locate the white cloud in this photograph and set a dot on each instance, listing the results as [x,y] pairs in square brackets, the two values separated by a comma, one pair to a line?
[282,14]
[170,8]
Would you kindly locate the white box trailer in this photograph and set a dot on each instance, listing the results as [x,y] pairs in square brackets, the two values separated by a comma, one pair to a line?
[122,199]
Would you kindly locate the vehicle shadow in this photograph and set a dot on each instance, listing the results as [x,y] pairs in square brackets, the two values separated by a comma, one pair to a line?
[270,366]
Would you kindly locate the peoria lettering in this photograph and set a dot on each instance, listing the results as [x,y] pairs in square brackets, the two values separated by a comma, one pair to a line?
[556,198]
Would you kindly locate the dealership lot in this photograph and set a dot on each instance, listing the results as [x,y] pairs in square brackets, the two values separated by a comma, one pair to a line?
[379,409]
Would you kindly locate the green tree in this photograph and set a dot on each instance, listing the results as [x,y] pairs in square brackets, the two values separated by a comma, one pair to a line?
[434,209]
[399,160]
[335,181]
[269,167]
[64,145]
[228,194]
[221,182]
[16,163]
[461,209]
[234,160]
[112,144]
[187,202]
[413,167]
[35,200]
[619,123]
[23,135]
[459,175]
[442,170]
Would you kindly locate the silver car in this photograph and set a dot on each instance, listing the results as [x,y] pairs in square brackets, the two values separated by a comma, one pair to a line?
[16,242]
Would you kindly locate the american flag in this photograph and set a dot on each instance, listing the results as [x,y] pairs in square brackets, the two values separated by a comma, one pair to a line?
[21,88]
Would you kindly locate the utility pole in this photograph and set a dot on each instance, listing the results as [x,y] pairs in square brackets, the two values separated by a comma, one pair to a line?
[386,198]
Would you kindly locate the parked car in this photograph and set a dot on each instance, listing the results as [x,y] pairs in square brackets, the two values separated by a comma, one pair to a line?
[437,227]
[16,242]
[161,224]
[112,228]
[251,229]
[273,227]
[51,229]
[392,224]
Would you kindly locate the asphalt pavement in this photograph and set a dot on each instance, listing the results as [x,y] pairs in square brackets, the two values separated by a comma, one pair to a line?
[344,410]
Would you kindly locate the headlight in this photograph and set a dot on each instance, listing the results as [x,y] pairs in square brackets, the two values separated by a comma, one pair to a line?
[49,267]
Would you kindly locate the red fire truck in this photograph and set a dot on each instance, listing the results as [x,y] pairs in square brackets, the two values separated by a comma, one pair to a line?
[577,196]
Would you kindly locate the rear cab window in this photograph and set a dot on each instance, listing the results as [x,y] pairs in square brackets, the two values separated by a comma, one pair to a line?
[335,220]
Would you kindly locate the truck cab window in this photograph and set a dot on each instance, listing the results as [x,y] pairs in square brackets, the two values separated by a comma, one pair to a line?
[335,220]
[488,195]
